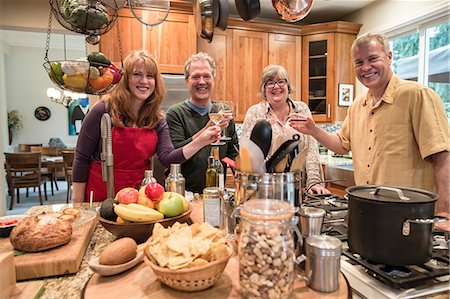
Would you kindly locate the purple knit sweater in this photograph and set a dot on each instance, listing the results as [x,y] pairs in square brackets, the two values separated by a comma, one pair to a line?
[89,144]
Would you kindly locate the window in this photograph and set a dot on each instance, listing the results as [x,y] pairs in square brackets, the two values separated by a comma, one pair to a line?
[424,56]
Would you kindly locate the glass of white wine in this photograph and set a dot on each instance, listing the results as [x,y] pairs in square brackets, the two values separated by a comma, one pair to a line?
[227,111]
[216,115]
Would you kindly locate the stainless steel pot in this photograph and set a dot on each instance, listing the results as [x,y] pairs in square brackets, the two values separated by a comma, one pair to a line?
[391,225]
[283,186]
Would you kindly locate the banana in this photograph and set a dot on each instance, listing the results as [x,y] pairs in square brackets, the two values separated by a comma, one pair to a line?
[138,207]
[134,215]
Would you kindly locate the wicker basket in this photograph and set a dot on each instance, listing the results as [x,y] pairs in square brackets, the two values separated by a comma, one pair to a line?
[191,279]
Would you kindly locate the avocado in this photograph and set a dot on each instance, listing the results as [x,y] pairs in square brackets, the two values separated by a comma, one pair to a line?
[107,210]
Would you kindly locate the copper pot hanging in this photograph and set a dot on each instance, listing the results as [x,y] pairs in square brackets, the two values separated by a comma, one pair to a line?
[292,10]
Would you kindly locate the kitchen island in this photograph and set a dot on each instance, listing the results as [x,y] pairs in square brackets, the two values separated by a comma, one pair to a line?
[72,286]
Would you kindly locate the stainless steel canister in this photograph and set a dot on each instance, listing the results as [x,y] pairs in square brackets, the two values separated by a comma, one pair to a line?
[311,220]
[323,256]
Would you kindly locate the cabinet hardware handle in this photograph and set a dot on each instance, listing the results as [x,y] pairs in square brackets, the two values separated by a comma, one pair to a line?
[329,110]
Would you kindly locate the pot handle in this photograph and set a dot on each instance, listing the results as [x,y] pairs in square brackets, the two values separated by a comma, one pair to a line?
[396,190]
[406,228]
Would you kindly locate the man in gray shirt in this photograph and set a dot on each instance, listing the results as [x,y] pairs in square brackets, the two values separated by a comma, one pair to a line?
[189,119]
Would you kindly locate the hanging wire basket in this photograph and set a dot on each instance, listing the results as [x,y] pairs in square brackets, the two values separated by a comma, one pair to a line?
[83,76]
[94,74]
[88,17]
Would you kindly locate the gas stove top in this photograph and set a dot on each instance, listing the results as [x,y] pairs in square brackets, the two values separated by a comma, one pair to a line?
[336,208]
[372,280]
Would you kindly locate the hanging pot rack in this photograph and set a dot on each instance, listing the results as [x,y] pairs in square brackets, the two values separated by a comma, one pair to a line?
[95,75]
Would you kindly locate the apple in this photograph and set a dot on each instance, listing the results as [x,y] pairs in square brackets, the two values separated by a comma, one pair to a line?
[144,200]
[127,195]
[154,191]
[171,205]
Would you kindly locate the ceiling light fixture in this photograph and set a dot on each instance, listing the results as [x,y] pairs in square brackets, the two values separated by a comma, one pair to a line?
[66,98]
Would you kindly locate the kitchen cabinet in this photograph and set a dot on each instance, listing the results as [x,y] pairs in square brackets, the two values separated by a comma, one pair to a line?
[326,63]
[243,51]
[171,42]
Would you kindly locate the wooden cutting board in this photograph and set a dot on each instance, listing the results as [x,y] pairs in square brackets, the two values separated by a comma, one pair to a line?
[140,282]
[57,261]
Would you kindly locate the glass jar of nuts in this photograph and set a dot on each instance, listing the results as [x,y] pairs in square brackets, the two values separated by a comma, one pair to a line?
[266,249]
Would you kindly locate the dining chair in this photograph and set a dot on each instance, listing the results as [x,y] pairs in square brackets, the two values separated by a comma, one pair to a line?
[26,147]
[50,172]
[23,170]
[68,157]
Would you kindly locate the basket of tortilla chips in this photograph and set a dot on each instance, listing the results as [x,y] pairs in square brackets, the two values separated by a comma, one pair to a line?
[187,258]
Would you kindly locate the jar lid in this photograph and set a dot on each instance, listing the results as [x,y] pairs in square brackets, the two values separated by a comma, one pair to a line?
[211,191]
[312,212]
[267,210]
[323,244]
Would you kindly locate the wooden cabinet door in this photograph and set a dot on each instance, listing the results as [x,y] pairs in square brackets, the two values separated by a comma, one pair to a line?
[218,49]
[246,61]
[318,81]
[286,50]
[130,38]
[172,42]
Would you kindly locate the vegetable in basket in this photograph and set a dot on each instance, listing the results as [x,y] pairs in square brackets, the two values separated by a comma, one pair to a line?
[98,57]
[77,81]
[85,14]
[103,81]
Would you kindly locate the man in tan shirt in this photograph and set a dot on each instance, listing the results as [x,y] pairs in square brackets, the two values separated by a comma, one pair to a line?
[398,131]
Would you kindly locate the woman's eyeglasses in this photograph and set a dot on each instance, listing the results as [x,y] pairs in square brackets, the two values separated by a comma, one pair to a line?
[280,83]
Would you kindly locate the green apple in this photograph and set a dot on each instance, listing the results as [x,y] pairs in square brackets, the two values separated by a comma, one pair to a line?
[171,205]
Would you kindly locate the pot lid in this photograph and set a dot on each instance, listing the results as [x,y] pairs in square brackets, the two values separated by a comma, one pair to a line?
[312,212]
[324,244]
[392,194]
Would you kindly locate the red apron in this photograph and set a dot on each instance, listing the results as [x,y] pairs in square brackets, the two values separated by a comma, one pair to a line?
[133,149]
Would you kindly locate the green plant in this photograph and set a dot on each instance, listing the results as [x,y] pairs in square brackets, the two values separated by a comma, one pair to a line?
[15,120]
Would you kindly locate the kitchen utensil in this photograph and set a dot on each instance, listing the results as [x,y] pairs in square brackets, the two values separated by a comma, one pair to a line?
[281,152]
[391,225]
[109,270]
[323,255]
[204,18]
[292,10]
[262,135]
[223,14]
[252,158]
[298,164]
[248,9]
[281,166]
[216,11]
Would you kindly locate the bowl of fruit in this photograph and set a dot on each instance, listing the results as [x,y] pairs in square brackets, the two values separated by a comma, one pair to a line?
[133,213]
[94,75]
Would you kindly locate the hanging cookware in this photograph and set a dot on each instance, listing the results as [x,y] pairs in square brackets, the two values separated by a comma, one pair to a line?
[248,9]
[292,10]
[391,225]
[224,11]
[150,12]
[204,18]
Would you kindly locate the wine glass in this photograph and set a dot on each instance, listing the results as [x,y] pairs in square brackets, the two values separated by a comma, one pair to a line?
[216,116]
[227,111]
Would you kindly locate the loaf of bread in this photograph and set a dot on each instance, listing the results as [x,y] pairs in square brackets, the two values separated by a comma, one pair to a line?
[33,234]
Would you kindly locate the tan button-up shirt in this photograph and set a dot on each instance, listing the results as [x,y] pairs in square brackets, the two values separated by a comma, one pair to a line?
[391,140]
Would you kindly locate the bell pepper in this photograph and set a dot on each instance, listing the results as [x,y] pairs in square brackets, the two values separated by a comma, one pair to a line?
[103,81]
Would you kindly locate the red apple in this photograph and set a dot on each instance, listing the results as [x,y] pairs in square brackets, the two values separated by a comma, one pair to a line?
[154,191]
[127,195]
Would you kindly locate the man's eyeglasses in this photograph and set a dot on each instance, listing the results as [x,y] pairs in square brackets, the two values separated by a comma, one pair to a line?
[280,83]
[198,77]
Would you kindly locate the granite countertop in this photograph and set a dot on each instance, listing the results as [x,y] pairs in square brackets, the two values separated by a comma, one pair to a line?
[334,161]
[70,286]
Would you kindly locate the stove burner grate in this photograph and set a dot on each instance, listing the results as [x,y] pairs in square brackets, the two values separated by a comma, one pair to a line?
[328,202]
[405,277]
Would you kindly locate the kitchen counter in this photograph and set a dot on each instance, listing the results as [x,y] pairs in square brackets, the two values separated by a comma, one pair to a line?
[340,169]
